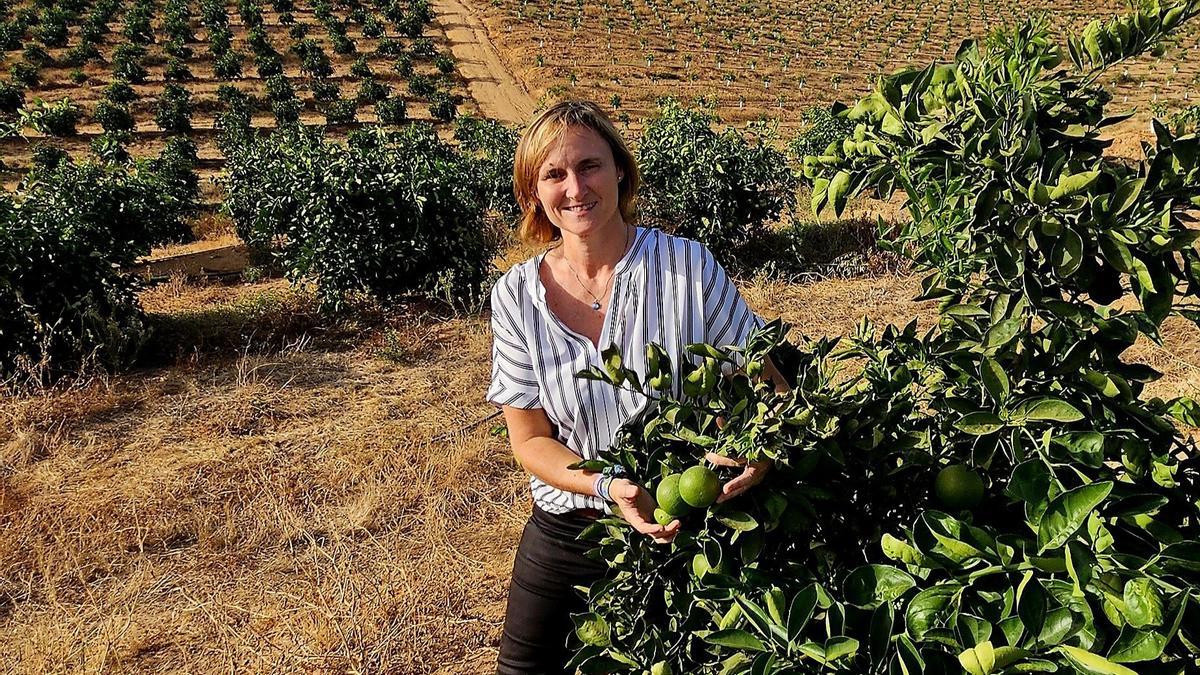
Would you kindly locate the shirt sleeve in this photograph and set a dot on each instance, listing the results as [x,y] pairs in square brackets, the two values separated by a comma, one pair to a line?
[514,380]
[727,318]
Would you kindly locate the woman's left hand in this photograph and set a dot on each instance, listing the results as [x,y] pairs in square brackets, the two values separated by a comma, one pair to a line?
[752,474]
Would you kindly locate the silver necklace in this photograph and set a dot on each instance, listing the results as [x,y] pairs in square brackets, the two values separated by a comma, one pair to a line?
[596,300]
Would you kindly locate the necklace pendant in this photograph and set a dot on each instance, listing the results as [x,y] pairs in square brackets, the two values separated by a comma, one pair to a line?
[596,306]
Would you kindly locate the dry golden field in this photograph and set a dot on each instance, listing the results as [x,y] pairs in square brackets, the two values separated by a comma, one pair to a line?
[773,58]
[328,498]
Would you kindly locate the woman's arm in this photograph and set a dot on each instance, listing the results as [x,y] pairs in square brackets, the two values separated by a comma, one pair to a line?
[546,458]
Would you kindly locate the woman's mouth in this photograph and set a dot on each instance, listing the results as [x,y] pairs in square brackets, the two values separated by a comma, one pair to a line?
[580,209]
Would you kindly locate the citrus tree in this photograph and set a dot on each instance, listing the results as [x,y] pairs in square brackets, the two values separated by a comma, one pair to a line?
[717,187]
[994,494]
[65,235]
[388,214]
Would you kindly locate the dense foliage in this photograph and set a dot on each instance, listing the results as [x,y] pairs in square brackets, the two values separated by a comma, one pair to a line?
[388,214]
[821,127]
[717,187]
[64,237]
[1077,549]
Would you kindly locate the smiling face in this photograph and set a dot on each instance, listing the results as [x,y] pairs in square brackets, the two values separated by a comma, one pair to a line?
[578,183]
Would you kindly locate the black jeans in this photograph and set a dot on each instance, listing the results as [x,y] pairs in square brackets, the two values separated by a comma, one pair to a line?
[541,597]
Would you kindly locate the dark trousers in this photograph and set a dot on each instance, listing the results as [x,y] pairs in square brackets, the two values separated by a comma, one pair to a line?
[542,597]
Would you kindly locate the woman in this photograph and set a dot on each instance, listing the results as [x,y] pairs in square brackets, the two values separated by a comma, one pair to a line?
[605,281]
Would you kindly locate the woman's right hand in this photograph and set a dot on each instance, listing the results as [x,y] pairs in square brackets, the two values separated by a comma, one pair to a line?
[637,508]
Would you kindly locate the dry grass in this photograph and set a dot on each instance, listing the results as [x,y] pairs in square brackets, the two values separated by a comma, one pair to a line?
[301,504]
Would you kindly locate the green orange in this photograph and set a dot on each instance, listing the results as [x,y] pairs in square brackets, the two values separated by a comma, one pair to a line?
[699,487]
[662,517]
[958,487]
[668,498]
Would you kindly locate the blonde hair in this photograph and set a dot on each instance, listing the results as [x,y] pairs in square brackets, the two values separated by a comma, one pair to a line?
[545,130]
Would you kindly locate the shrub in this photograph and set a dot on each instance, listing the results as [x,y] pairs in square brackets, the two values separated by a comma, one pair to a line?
[422,48]
[113,117]
[1186,121]
[268,65]
[360,68]
[1081,555]
[173,109]
[228,66]
[371,90]
[80,54]
[342,45]
[220,41]
[403,65]
[176,70]
[313,60]
[420,85]
[137,26]
[47,156]
[286,111]
[24,74]
[119,91]
[373,28]
[822,127]
[52,119]
[718,188]
[444,63]
[126,63]
[178,50]
[12,97]
[442,106]
[63,238]
[493,146]
[325,91]
[109,147]
[341,111]
[392,110]
[11,35]
[52,30]
[411,224]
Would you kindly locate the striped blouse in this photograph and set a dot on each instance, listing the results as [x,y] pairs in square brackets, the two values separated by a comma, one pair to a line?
[669,290]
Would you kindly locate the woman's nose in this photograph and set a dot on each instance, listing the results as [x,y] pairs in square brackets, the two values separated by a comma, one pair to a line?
[573,185]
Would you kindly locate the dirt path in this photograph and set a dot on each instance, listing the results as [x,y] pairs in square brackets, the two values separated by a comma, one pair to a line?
[500,95]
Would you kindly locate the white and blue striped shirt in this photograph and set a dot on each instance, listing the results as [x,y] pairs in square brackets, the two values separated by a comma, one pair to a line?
[668,290]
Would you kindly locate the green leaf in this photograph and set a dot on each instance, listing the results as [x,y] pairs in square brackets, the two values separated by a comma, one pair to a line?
[800,611]
[979,660]
[1143,603]
[839,188]
[1092,664]
[737,520]
[1125,196]
[1001,334]
[612,363]
[931,608]
[1186,410]
[979,424]
[736,639]
[900,550]
[591,629]
[1116,253]
[1134,645]
[1068,252]
[1067,512]
[995,380]
[820,195]
[1052,410]
[840,647]
[872,585]
[1074,184]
